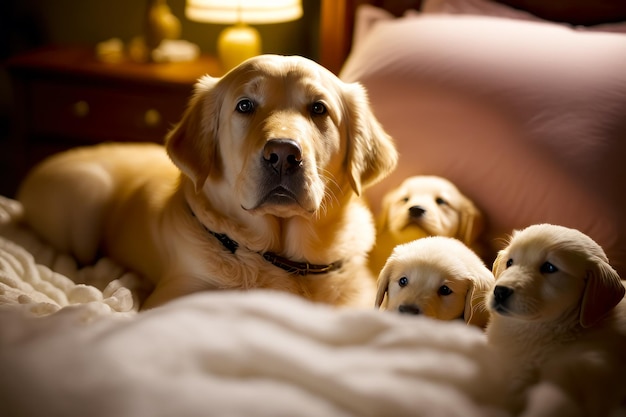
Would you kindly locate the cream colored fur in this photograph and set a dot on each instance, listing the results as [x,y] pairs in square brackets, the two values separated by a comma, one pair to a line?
[559,323]
[131,202]
[424,205]
[438,277]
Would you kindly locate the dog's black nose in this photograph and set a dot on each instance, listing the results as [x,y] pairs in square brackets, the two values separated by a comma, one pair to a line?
[416,211]
[283,155]
[409,309]
[501,293]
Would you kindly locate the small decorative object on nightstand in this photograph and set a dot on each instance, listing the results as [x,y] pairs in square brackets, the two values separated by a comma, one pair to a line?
[160,24]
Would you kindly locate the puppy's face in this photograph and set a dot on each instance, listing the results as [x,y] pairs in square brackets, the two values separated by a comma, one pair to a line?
[550,273]
[429,288]
[283,135]
[430,205]
[438,277]
[539,281]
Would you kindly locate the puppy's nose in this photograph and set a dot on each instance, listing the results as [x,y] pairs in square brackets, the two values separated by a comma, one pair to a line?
[409,309]
[501,293]
[416,211]
[283,155]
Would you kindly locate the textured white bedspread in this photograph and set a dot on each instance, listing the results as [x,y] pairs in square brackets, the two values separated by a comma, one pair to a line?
[243,354]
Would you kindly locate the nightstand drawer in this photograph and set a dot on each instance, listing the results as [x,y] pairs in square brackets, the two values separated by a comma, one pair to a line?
[99,113]
[65,97]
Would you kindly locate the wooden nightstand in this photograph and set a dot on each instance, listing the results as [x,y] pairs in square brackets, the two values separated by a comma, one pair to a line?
[65,97]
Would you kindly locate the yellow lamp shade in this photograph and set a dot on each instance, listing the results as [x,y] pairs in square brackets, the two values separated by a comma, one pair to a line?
[249,11]
[237,43]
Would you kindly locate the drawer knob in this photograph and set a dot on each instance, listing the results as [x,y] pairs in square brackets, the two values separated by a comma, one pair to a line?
[80,109]
[152,118]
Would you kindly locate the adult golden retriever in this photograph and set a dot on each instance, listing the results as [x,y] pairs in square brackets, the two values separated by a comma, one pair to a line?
[558,320]
[439,277]
[268,165]
[424,205]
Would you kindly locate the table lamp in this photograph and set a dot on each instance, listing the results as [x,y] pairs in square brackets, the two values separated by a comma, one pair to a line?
[239,42]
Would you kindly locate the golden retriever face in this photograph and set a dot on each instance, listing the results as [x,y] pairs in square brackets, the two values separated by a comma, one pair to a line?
[430,206]
[283,135]
[549,273]
[438,277]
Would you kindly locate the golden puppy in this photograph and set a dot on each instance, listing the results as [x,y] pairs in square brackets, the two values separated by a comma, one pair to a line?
[263,192]
[439,277]
[556,325]
[423,206]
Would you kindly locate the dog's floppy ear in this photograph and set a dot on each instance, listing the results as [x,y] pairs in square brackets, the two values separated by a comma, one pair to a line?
[472,222]
[476,312]
[192,144]
[383,283]
[371,153]
[604,290]
[499,263]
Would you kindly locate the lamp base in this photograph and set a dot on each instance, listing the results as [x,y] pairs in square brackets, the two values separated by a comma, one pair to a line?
[237,43]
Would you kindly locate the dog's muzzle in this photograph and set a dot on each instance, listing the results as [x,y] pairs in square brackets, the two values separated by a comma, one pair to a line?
[409,309]
[416,212]
[283,176]
[501,296]
[282,156]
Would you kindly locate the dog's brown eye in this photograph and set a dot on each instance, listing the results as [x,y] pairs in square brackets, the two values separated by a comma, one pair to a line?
[444,290]
[441,201]
[548,268]
[318,108]
[405,200]
[245,106]
[509,263]
[403,282]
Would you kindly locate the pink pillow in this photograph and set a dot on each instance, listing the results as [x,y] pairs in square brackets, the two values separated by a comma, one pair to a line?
[527,119]
[495,9]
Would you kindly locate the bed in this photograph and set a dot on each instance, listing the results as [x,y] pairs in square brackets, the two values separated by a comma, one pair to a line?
[470,90]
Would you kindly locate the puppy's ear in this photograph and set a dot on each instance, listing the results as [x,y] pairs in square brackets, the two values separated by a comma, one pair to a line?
[472,222]
[476,312]
[192,144]
[499,264]
[371,153]
[604,290]
[383,283]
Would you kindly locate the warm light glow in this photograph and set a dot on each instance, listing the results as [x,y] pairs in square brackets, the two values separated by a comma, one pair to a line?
[240,42]
[247,11]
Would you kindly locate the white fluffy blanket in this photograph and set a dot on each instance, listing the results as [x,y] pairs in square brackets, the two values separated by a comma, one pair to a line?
[70,349]
[236,354]
[38,279]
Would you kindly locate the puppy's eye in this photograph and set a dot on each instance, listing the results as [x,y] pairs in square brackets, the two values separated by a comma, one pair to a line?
[318,108]
[403,282]
[405,200]
[548,268]
[509,262]
[245,106]
[444,290]
[441,201]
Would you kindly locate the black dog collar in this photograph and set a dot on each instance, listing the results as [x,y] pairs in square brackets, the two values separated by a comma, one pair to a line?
[293,267]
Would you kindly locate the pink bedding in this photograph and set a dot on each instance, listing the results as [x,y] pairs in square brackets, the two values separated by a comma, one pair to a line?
[527,118]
